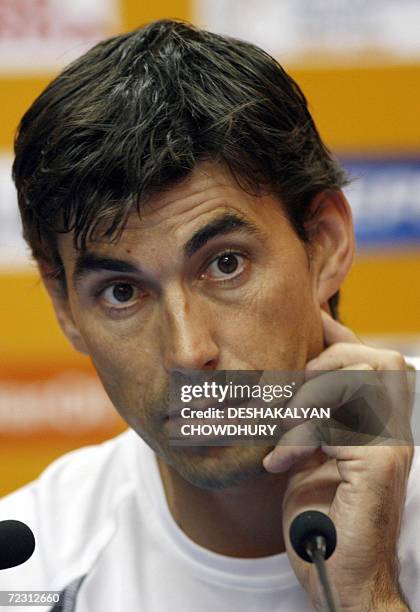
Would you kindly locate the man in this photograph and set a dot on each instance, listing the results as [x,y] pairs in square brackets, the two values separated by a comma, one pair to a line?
[185,215]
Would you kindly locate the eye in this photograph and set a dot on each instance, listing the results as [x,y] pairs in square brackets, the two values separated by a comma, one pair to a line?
[226,266]
[119,294]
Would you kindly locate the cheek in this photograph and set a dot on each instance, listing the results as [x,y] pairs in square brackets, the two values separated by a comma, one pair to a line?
[125,381]
[275,327]
[127,370]
[111,354]
[122,351]
[111,366]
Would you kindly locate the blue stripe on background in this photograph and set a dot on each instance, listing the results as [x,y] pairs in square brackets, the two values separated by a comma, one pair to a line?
[385,199]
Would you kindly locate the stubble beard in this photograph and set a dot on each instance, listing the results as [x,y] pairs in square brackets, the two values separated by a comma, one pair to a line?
[207,467]
[216,467]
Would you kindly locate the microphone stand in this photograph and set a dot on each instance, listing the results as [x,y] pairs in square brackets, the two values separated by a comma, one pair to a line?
[316,549]
[313,537]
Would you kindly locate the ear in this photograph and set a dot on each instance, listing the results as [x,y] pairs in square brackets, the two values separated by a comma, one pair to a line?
[57,291]
[331,247]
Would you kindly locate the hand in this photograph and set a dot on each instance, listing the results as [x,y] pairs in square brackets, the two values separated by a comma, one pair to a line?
[362,488]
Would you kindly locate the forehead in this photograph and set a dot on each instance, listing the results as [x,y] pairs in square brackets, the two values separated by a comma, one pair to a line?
[170,217]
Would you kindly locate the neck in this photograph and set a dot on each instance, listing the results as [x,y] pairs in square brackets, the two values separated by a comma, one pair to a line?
[242,521]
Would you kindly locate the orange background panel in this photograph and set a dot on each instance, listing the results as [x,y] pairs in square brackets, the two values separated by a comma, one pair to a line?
[30,336]
[135,13]
[16,95]
[381,295]
[365,110]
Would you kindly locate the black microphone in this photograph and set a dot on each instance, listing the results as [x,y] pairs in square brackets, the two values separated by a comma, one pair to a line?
[314,538]
[17,543]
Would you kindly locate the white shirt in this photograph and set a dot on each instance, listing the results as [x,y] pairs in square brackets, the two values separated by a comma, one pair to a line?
[104,529]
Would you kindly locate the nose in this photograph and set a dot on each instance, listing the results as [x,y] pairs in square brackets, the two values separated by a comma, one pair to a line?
[188,342]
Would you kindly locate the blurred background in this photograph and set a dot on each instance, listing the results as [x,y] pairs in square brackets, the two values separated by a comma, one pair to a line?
[358,62]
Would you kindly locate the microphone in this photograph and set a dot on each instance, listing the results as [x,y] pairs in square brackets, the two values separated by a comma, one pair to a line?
[314,538]
[17,543]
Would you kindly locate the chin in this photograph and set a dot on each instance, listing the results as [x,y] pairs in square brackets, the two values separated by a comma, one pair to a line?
[217,467]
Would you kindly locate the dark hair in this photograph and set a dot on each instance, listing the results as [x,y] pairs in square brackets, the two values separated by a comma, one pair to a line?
[137,112]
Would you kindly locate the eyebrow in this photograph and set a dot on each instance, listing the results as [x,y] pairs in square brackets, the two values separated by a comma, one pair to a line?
[89,262]
[224,224]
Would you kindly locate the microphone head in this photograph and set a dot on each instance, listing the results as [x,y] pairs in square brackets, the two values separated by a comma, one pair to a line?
[310,524]
[17,543]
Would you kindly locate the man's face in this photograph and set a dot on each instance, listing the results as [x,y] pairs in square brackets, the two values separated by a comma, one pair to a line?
[209,277]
